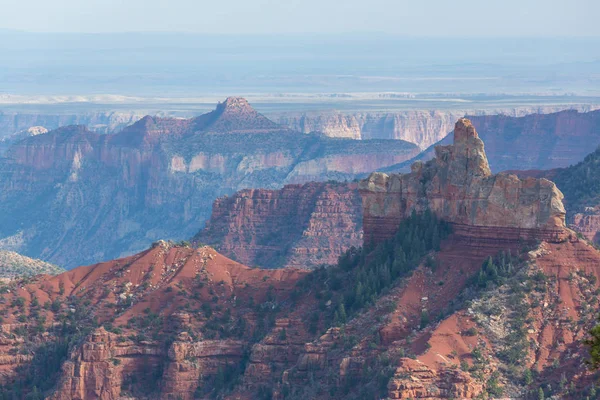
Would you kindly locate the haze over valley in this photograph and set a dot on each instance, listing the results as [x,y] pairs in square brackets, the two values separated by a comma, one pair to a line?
[299,200]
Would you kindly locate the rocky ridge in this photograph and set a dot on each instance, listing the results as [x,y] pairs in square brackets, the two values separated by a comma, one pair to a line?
[147,321]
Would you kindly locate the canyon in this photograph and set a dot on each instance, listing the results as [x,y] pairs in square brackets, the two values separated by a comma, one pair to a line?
[169,167]
[72,196]
[489,303]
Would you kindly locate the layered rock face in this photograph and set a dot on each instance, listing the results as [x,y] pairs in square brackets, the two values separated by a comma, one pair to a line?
[459,186]
[302,226]
[415,380]
[424,128]
[72,196]
[539,141]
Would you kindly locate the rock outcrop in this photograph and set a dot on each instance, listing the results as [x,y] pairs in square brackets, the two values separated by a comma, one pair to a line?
[581,185]
[301,226]
[76,197]
[459,186]
[415,380]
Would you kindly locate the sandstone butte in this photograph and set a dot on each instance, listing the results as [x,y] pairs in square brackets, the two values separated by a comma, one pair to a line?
[174,318]
[459,187]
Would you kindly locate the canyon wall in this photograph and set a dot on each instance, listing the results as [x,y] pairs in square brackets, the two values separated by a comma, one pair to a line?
[424,128]
[301,226]
[538,141]
[528,143]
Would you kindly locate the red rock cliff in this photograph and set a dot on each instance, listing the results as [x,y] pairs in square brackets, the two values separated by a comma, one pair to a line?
[299,226]
[459,186]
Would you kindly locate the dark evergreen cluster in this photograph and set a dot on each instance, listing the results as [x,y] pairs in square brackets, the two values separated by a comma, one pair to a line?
[495,271]
[363,274]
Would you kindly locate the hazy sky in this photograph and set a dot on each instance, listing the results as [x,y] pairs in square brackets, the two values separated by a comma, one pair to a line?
[405,17]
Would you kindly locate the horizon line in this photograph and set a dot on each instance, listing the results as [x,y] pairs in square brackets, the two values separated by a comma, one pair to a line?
[296,34]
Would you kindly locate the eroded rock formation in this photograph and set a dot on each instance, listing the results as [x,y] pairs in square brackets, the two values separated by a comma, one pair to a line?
[459,186]
[301,226]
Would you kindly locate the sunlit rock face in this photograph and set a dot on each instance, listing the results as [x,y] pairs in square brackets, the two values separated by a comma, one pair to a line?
[459,186]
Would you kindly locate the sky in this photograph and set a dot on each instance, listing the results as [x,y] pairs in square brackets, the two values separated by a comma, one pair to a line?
[468,18]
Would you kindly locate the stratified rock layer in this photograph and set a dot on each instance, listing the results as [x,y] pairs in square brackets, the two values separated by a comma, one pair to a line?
[502,129]
[300,226]
[459,186]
